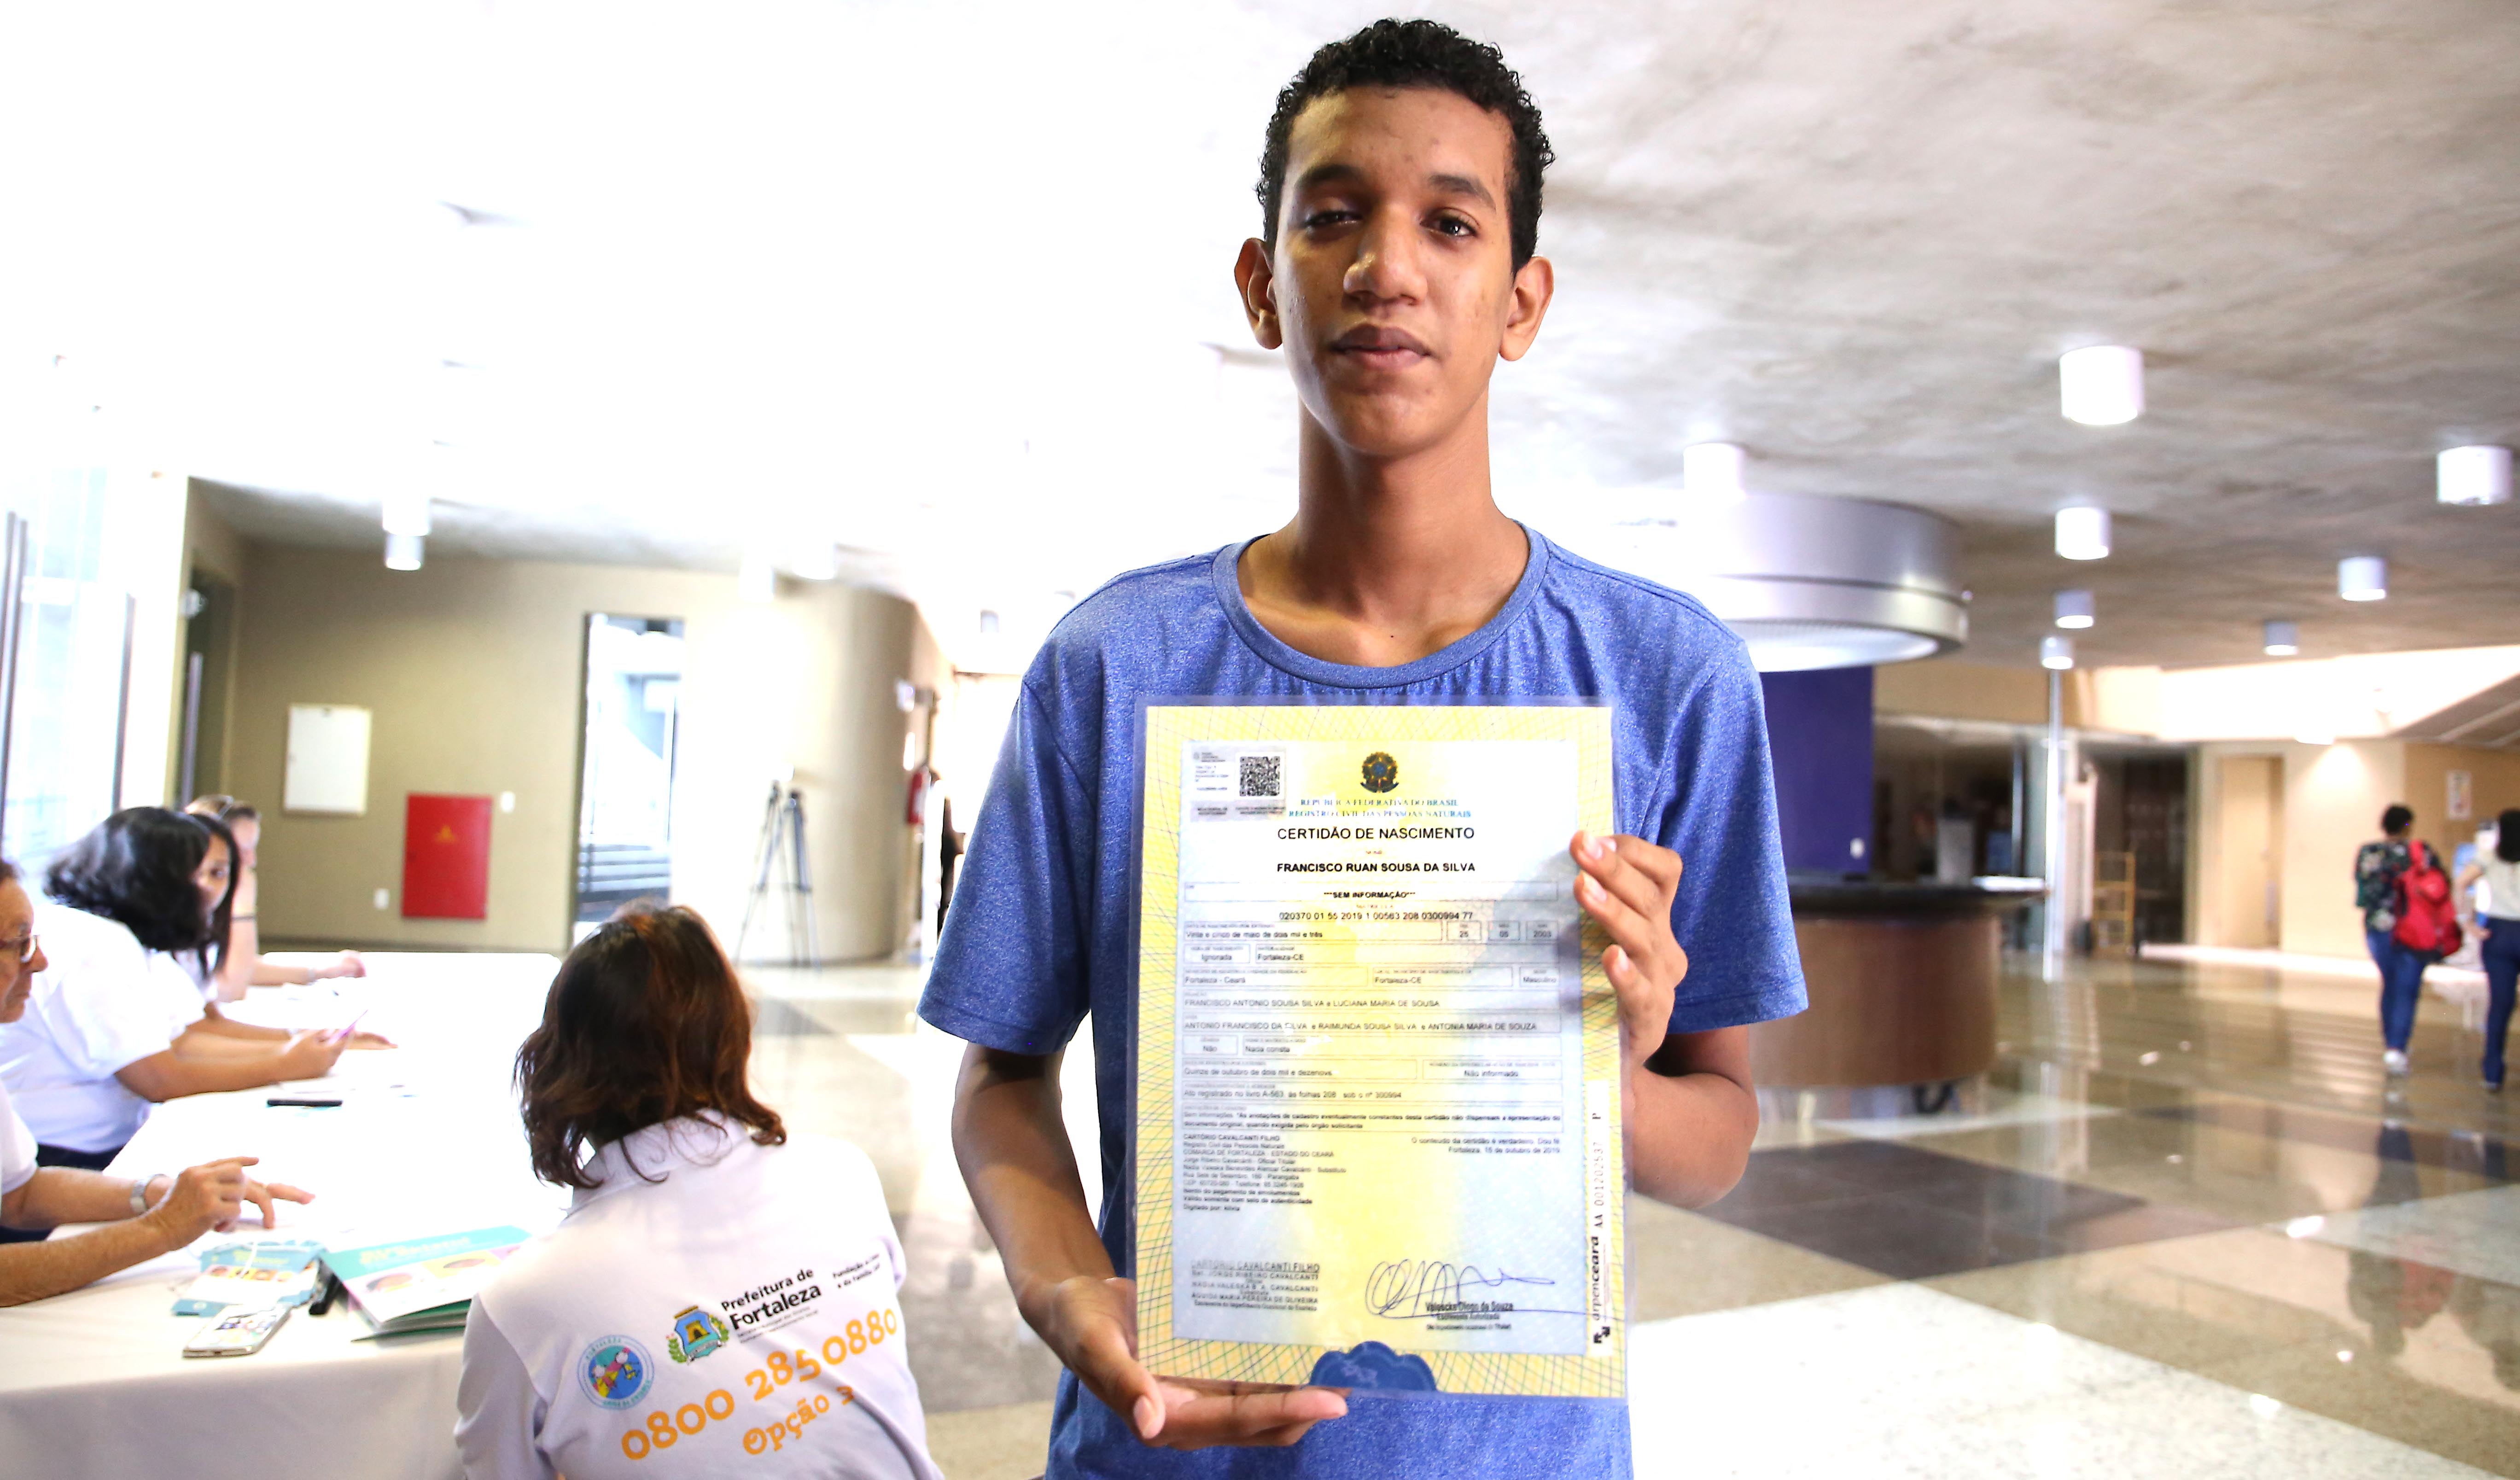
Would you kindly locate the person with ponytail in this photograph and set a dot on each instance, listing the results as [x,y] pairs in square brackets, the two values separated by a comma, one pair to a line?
[241,965]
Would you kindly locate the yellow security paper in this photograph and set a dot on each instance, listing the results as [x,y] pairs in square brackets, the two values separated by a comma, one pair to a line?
[1379,1100]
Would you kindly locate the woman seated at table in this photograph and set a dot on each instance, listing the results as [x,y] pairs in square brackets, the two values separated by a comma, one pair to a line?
[240,963]
[144,1219]
[720,1294]
[116,1023]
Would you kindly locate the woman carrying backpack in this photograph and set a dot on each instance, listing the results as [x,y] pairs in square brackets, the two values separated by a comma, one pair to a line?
[2378,867]
[2498,930]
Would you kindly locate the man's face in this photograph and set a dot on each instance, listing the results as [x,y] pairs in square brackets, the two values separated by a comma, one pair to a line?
[1392,286]
[17,977]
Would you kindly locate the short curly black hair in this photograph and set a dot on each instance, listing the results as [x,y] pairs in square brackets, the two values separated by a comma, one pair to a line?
[1418,54]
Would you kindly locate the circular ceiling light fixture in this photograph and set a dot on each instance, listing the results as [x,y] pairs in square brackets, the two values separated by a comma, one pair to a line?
[2363,578]
[2083,533]
[1712,470]
[2283,640]
[2074,609]
[2057,653]
[816,561]
[2474,476]
[2101,386]
[1811,581]
[406,513]
[403,552]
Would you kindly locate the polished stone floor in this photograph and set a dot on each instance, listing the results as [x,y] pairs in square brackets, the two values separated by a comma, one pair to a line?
[2187,1227]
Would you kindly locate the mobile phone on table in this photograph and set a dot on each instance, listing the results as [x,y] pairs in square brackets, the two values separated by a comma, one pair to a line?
[237,1333]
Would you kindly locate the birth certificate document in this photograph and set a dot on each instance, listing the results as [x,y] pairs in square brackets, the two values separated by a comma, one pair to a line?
[1377,1066]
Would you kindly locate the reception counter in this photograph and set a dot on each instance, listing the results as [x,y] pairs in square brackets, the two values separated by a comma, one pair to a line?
[1902,980]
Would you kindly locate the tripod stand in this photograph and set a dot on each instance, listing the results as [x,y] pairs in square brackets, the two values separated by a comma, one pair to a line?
[783,836]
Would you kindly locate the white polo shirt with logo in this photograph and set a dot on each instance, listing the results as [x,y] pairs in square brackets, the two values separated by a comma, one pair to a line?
[17,1147]
[102,1003]
[713,1307]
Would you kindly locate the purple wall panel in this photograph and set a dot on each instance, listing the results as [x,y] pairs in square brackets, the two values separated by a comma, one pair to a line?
[1820,729]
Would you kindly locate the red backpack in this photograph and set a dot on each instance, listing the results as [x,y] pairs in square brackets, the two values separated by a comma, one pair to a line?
[2428,916]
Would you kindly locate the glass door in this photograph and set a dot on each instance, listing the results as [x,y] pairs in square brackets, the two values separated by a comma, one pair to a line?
[625,839]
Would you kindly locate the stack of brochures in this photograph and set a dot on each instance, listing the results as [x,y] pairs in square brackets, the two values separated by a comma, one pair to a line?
[422,1284]
[250,1273]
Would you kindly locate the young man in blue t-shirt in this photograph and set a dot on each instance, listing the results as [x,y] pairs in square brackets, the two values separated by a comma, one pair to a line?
[1401,194]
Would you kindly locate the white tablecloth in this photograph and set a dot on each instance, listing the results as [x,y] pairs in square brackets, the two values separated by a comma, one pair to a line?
[94,1383]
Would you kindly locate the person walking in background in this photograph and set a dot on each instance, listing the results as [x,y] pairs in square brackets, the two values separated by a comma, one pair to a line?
[2376,868]
[2497,928]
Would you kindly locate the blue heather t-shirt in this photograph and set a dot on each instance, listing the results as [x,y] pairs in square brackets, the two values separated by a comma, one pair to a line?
[1039,932]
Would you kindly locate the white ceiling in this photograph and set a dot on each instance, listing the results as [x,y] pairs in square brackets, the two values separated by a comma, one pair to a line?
[950,284]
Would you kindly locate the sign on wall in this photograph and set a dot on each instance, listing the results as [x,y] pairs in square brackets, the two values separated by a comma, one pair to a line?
[328,760]
[2462,797]
[446,858]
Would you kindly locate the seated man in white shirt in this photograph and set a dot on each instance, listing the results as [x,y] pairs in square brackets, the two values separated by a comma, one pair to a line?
[142,1218]
[720,1299]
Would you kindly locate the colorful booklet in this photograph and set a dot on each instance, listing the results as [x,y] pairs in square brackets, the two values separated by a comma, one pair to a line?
[248,1275]
[422,1284]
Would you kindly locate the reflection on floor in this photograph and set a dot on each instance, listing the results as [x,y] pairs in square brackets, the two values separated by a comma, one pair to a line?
[2187,1227]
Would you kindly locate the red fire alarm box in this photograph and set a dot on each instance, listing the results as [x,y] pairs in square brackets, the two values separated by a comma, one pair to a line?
[446,858]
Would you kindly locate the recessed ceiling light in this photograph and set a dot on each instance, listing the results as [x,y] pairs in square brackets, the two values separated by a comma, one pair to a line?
[2083,533]
[1712,470]
[2057,653]
[2284,639]
[756,580]
[2101,386]
[402,552]
[2363,578]
[2074,608]
[2479,474]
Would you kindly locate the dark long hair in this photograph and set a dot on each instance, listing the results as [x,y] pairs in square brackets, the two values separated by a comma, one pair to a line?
[645,1023]
[136,869]
[2506,838]
[219,807]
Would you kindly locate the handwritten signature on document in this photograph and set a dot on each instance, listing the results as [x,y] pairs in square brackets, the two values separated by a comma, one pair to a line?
[1406,1289]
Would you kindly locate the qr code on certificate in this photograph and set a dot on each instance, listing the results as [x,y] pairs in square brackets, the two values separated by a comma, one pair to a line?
[1260,775]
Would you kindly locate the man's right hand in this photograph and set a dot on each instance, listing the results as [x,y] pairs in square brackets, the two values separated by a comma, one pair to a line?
[310,1055]
[1092,1323]
[209,1197]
